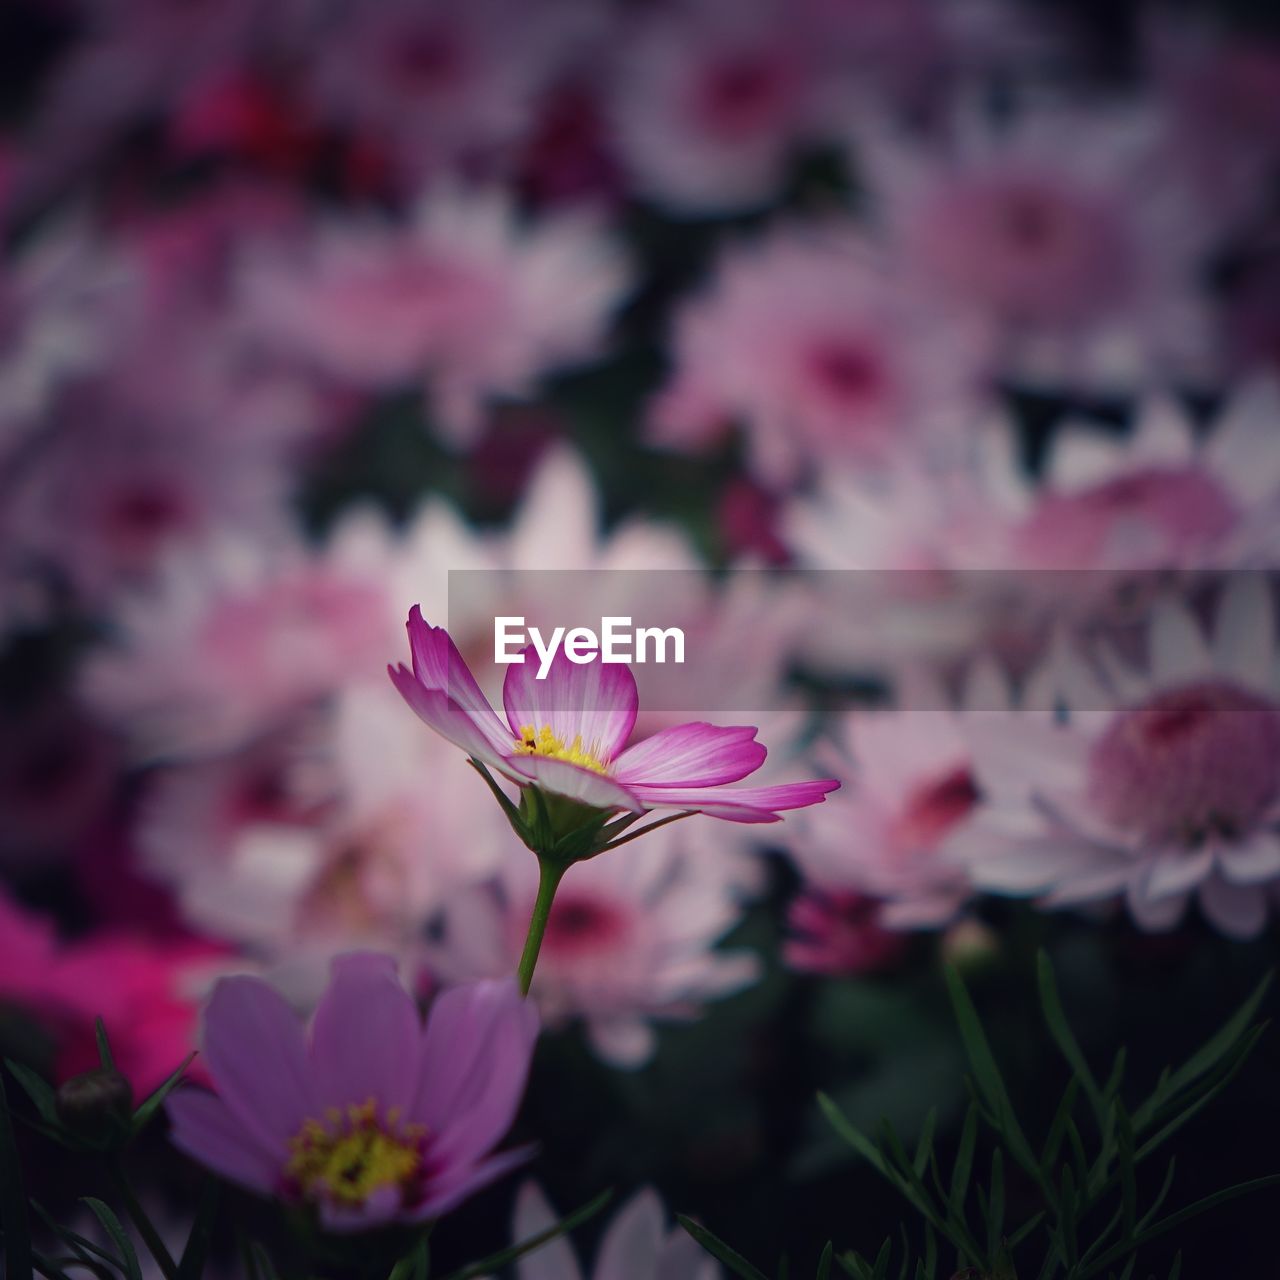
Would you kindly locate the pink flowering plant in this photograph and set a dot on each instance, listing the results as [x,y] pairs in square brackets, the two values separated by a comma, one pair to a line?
[563,744]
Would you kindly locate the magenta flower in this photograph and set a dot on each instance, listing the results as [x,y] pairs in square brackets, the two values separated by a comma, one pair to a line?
[566,735]
[369,1119]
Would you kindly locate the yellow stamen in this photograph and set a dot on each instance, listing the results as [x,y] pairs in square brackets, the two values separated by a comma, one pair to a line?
[346,1157]
[543,742]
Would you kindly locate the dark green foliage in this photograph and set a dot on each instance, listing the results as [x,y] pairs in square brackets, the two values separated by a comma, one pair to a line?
[1091,1219]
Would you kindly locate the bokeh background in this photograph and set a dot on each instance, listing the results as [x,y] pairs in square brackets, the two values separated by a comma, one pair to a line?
[305,303]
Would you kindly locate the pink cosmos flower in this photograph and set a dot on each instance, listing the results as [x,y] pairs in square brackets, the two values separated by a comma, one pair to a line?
[566,735]
[1160,498]
[838,933]
[1063,233]
[465,296]
[900,565]
[53,322]
[807,340]
[631,941]
[638,1245]
[369,1119]
[1223,91]
[114,492]
[234,641]
[135,57]
[1163,784]
[315,842]
[445,84]
[894,49]
[710,101]
[146,993]
[885,837]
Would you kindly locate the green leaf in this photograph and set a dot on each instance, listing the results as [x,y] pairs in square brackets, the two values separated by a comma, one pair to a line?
[1165,1187]
[1002,1265]
[37,1088]
[1178,1218]
[1221,1077]
[986,1073]
[119,1237]
[924,1147]
[1128,1174]
[1063,1036]
[1205,1059]
[1176,1269]
[104,1045]
[82,1246]
[1025,1230]
[196,1251]
[53,1268]
[963,1166]
[1112,1087]
[416,1263]
[995,1203]
[1078,1160]
[851,1134]
[855,1265]
[1058,1129]
[13,1200]
[518,1250]
[880,1269]
[720,1251]
[263,1266]
[1068,1213]
[151,1103]
[824,1264]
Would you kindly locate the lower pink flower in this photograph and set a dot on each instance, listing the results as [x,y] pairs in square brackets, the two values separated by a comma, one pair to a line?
[369,1118]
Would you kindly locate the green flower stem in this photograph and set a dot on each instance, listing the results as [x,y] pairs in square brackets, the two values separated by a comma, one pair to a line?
[145,1227]
[549,876]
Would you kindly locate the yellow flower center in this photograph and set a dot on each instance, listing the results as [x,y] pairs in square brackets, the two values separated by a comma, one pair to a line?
[543,742]
[349,1155]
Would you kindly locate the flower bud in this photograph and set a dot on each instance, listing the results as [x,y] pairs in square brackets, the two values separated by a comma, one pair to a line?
[96,1105]
[970,945]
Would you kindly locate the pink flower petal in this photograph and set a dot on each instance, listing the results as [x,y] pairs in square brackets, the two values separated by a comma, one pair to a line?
[365,1037]
[593,701]
[554,1260]
[1174,871]
[380,1208]
[738,804]
[256,1054]
[1239,911]
[438,666]
[437,710]
[1254,862]
[1155,915]
[692,755]
[572,780]
[455,1186]
[476,1051]
[207,1130]
[634,1240]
